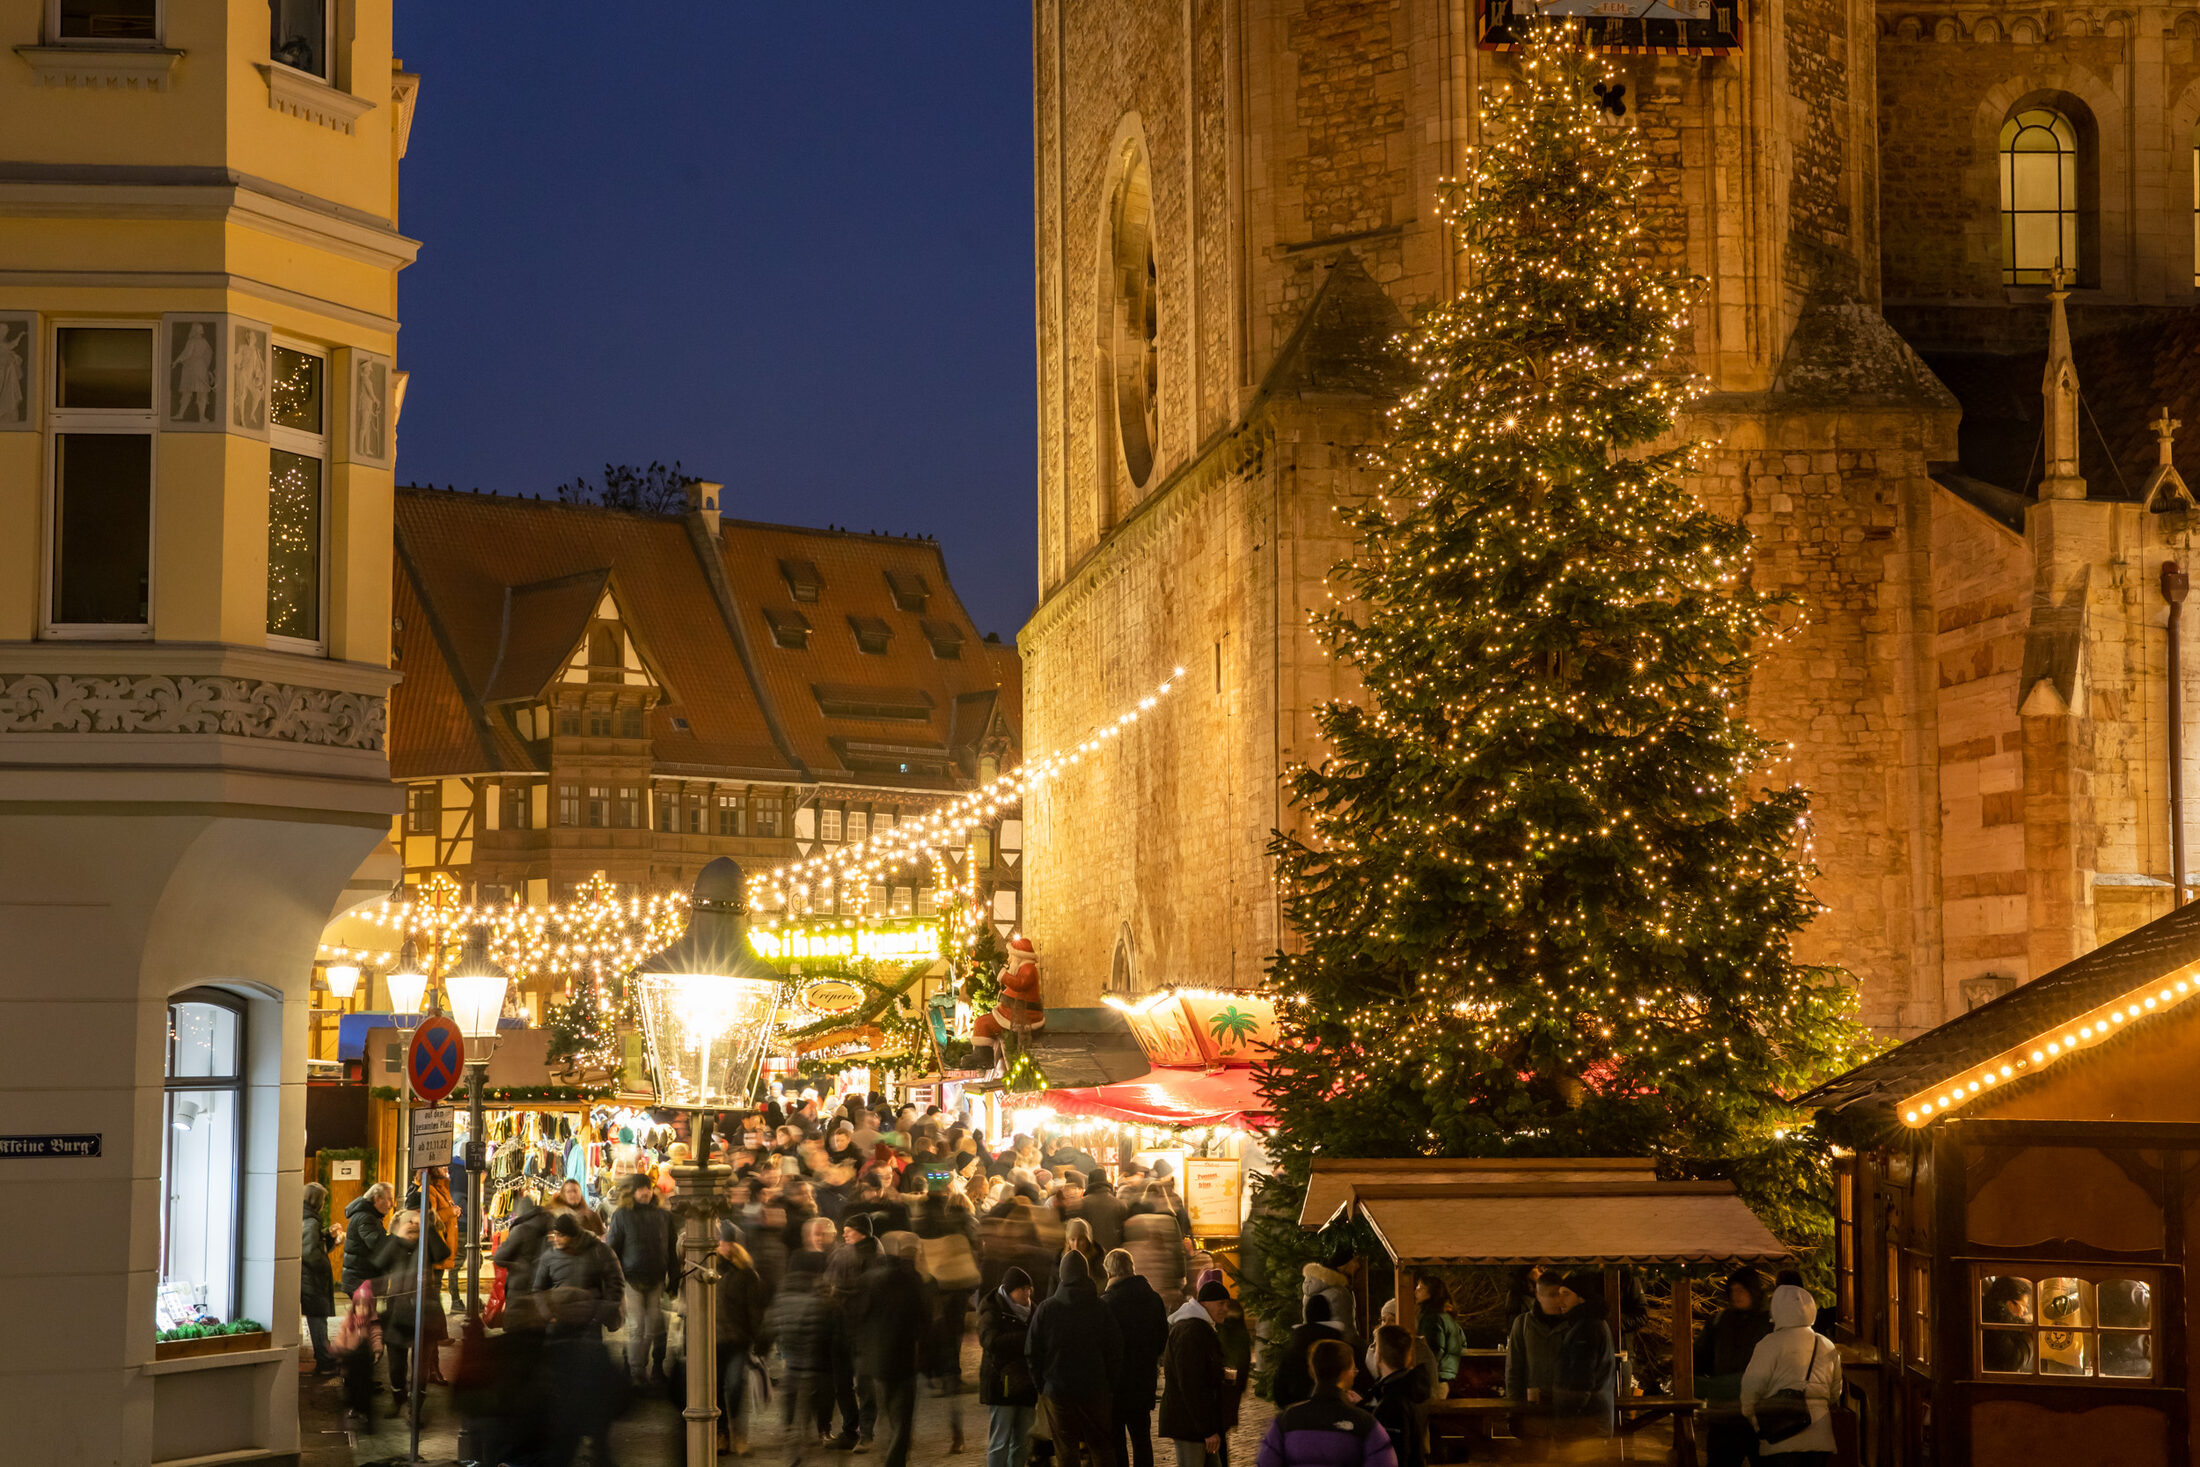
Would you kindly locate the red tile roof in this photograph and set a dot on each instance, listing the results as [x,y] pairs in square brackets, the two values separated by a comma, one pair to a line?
[495,593]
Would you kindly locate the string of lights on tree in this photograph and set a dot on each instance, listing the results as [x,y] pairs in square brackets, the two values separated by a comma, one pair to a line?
[1542,907]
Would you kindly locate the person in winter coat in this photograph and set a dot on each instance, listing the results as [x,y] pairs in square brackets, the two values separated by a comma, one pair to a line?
[740,1328]
[1442,1337]
[1198,1404]
[1401,1389]
[1334,1287]
[1793,1357]
[801,1324]
[642,1232]
[1156,1241]
[1005,1385]
[1723,1352]
[1327,1430]
[1103,1212]
[572,1199]
[1144,1327]
[316,1284]
[580,1287]
[1295,1380]
[1560,1355]
[364,1230]
[1076,1355]
[396,1264]
[891,1318]
[518,1253]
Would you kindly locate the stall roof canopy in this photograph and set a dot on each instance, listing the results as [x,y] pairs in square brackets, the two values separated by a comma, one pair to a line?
[2137,960]
[1599,1222]
[1170,1098]
[1331,1184]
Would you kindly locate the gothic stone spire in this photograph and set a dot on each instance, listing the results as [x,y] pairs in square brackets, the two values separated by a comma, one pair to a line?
[2059,387]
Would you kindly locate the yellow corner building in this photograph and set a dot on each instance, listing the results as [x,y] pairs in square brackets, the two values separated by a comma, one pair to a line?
[199,396]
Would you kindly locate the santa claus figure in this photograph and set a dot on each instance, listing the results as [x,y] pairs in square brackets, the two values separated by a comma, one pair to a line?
[1020,1009]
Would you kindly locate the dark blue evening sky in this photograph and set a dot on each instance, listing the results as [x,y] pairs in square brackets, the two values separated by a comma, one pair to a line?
[787,245]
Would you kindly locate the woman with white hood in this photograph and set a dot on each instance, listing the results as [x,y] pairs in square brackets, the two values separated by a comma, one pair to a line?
[1792,1383]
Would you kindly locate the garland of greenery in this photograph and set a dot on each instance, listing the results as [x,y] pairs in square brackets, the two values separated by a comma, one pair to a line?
[324,1168]
[211,1331]
[499,1094]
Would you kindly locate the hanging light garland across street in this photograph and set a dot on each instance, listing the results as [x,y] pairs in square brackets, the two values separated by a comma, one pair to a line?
[926,838]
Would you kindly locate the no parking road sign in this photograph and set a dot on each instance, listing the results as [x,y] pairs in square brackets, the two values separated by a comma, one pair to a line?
[435,1060]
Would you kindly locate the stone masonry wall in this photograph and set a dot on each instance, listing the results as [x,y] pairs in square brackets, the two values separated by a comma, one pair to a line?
[1837,506]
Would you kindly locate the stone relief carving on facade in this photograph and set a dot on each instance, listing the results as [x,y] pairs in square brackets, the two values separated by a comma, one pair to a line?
[65,703]
[16,335]
[249,374]
[191,375]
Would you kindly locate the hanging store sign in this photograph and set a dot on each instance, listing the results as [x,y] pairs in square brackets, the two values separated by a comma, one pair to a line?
[831,997]
[21,1148]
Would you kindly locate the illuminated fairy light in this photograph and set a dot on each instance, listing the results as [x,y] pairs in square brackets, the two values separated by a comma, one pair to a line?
[2048,1047]
[928,838]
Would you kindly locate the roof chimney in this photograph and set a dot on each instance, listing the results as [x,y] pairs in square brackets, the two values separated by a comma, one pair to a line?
[702,499]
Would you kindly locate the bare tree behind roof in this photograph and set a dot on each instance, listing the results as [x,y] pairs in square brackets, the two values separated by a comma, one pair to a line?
[656,490]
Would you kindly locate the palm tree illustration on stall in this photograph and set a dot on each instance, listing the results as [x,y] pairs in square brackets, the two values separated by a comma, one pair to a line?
[1231,1027]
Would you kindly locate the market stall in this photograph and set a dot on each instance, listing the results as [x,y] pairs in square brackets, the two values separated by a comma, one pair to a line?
[1602,1214]
[2018,1218]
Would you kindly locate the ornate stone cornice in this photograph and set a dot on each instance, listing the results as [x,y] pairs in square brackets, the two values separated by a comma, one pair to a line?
[312,99]
[47,703]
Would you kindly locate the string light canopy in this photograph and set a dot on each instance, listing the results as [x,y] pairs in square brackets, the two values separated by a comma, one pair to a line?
[2050,1046]
[932,838]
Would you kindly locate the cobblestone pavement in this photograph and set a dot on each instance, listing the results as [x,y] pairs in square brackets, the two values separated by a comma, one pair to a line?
[649,1435]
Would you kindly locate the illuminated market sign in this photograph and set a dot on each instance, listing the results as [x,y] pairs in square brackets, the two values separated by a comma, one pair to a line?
[921,941]
[830,996]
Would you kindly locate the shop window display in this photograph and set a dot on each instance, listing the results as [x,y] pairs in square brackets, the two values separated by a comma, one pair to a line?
[201,1151]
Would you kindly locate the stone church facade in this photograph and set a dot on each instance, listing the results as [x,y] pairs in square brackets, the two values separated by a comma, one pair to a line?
[1235,207]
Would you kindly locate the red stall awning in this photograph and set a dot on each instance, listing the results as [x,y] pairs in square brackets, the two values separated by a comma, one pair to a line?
[1170,1098]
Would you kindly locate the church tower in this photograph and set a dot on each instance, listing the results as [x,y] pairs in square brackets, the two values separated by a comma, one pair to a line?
[1235,208]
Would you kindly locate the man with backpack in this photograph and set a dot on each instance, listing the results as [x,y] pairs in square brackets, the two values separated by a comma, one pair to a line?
[1327,1430]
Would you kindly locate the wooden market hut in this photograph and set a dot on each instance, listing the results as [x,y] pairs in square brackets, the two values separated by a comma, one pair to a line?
[1607,1214]
[2017,1220]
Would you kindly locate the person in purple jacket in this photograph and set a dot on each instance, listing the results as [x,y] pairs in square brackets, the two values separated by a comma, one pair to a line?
[1328,1430]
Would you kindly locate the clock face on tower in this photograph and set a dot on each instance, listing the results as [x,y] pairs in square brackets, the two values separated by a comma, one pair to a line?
[1658,27]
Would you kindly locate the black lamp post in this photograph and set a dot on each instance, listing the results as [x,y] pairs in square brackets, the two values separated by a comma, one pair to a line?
[708,1004]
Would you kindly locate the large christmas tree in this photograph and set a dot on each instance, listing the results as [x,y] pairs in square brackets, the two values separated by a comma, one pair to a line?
[1545,906]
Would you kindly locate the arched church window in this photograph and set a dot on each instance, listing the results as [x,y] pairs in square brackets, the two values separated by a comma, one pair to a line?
[2039,196]
[1134,319]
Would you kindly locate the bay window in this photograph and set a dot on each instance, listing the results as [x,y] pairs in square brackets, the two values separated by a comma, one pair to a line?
[99,551]
[202,1153]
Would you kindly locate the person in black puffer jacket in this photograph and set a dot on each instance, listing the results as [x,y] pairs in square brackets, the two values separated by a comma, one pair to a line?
[1076,1355]
[1722,1353]
[517,1255]
[642,1233]
[316,1285]
[1005,1387]
[364,1230]
[1294,1380]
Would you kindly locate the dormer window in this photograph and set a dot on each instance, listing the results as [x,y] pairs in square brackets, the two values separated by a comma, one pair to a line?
[872,634]
[790,628]
[910,591]
[108,22]
[298,34]
[946,639]
[803,581]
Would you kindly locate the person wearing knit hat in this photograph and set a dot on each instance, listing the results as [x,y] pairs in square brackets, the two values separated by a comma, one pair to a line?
[1198,1407]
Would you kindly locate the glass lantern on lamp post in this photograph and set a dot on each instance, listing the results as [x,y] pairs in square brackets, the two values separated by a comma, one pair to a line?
[408,987]
[476,988]
[708,1004]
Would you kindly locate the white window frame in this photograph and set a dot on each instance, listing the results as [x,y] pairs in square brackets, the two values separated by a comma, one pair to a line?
[119,421]
[54,36]
[313,446]
[328,47]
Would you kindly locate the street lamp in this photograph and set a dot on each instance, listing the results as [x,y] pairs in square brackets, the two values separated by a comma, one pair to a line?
[408,990]
[342,978]
[708,1004]
[476,988]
